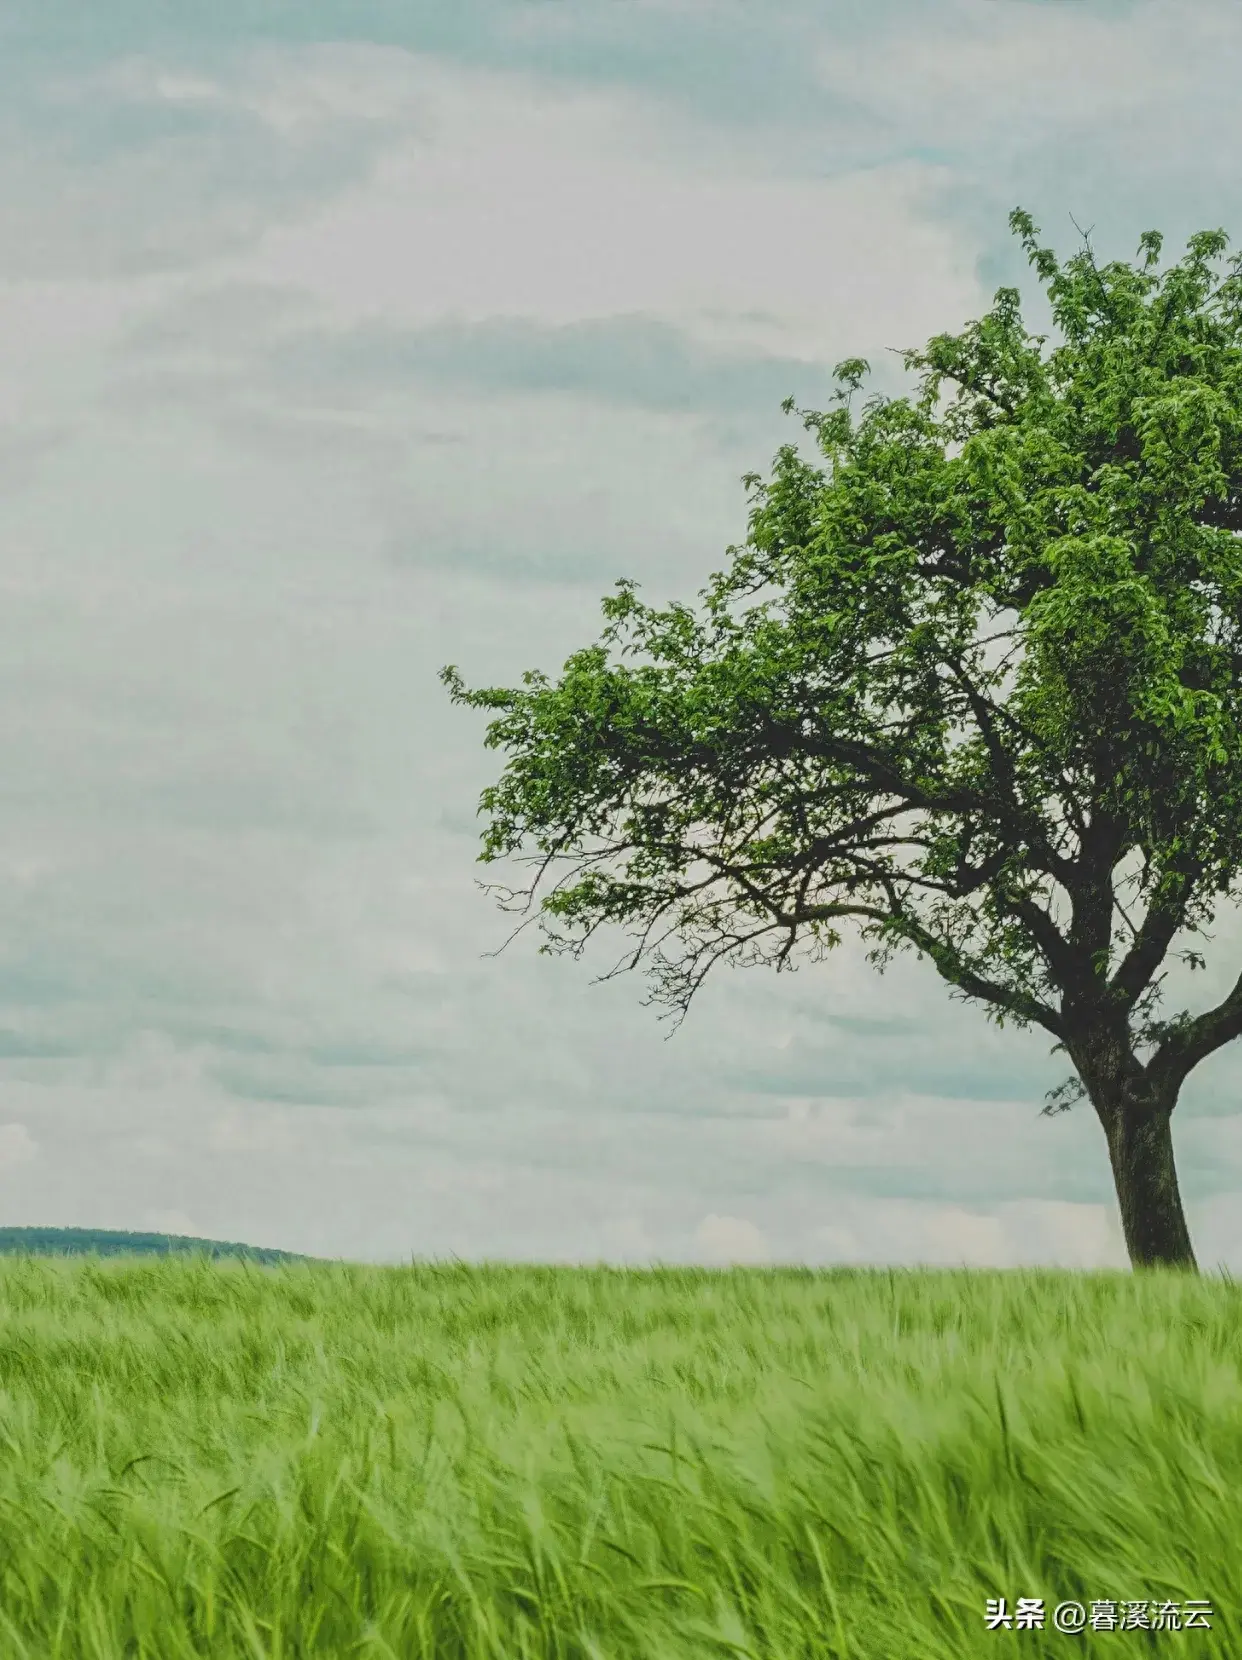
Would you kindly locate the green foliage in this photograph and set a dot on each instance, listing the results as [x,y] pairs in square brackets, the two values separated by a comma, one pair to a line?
[513,1464]
[972,685]
[109,1242]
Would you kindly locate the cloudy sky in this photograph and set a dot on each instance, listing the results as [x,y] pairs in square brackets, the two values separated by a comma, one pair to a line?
[338,342]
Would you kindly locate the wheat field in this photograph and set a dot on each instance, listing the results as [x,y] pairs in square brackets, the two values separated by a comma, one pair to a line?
[449,1461]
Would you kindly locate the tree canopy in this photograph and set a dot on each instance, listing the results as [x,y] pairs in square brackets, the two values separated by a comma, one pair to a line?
[972,686]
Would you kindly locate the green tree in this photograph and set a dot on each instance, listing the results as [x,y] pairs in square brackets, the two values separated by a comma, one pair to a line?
[971,686]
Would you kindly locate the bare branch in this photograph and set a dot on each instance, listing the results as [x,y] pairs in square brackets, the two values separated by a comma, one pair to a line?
[1191,1041]
[1151,943]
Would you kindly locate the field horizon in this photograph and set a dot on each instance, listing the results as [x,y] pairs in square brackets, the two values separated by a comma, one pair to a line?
[41,1241]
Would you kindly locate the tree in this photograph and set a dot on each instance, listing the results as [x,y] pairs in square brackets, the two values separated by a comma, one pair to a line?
[971,687]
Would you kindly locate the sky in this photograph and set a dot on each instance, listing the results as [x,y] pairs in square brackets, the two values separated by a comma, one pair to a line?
[340,342]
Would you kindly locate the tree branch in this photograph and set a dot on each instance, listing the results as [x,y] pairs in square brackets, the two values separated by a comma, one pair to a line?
[1067,964]
[1003,769]
[950,967]
[1194,1040]
[1151,944]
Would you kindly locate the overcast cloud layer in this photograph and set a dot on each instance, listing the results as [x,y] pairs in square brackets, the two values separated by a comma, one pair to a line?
[340,342]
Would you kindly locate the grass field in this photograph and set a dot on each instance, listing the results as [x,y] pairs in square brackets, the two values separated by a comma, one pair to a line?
[205,1458]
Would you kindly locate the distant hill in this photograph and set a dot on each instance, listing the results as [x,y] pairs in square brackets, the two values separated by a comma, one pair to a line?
[110,1243]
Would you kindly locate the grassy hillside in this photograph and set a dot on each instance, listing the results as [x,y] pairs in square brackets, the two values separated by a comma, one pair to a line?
[201,1459]
[107,1242]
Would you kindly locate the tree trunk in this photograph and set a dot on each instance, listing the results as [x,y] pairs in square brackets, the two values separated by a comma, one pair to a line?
[1140,1146]
[1136,1120]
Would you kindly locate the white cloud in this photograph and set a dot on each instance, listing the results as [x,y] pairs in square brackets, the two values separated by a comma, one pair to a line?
[1016,71]
[1216,1231]
[558,206]
[931,1233]
[17,1146]
[291,89]
[134,167]
[730,1239]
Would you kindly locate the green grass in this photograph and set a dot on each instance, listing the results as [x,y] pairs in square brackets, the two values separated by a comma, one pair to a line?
[204,1458]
